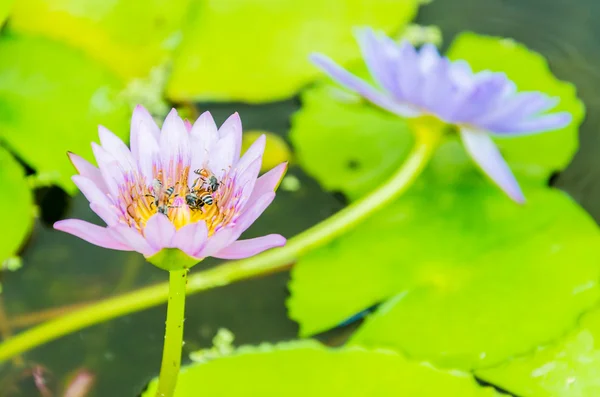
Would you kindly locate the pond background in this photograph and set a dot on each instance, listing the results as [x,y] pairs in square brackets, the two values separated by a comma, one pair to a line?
[125,353]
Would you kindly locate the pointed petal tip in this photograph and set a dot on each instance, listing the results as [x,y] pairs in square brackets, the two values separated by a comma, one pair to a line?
[234,119]
[57,225]
[564,119]
[246,248]
[262,139]
[278,240]
[206,114]
[521,200]
[72,158]
[319,59]
[284,168]
[102,129]
[486,155]
[362,32]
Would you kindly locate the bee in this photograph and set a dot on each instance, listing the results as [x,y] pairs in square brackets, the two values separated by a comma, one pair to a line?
[209,180]
[170,191]
[196,200]
[157,195]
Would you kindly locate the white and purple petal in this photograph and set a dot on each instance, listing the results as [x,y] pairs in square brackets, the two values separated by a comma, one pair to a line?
[228,235]
[133,239]
[159,232]
[485,153]
[112,171]
[423,82]
[174,144]
[267,182]
[203,137]
[86,169]
[91,233]
[233,126]
[192,239]
[363,88]
[244,248]
[142,121]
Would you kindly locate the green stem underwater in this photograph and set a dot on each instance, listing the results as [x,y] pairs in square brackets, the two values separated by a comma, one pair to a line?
[171,360]
[271,261]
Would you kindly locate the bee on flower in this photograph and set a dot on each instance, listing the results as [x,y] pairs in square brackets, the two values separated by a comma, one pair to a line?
[183,186]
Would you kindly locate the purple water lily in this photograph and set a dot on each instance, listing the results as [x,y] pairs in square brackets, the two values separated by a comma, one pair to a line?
[182,187]
[417,83]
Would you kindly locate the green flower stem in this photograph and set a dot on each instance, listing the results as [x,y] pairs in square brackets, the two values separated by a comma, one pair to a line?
[271,261]
[171,360]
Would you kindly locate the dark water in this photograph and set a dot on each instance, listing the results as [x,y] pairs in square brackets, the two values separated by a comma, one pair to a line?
[125,353]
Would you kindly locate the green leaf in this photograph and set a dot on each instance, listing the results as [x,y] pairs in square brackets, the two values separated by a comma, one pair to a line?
[530,72]
[469,277]
[306,368]
[257,51]
[128,36]
[568,368]
[52,99]
[351,146]
[17,202]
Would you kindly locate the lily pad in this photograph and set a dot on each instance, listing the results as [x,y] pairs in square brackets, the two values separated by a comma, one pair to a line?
[129,37]
[257,51]
[17,201]
[351,146]
[306,368]
[473,279]
[52,99]
[568,368]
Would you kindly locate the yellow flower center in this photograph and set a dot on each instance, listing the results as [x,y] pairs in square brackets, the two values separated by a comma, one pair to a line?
[178,201]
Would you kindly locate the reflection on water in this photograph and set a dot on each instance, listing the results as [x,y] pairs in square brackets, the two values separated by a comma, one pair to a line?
[61,270]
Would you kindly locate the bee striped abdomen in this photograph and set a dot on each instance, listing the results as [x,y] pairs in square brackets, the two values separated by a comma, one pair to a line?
[207,198]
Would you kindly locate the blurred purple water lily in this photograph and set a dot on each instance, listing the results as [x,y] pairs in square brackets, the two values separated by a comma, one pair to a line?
[182,187]
[423,83]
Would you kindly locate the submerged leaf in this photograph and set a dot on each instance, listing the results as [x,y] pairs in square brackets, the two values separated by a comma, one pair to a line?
[52,99]
[257,51]
[306,368]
